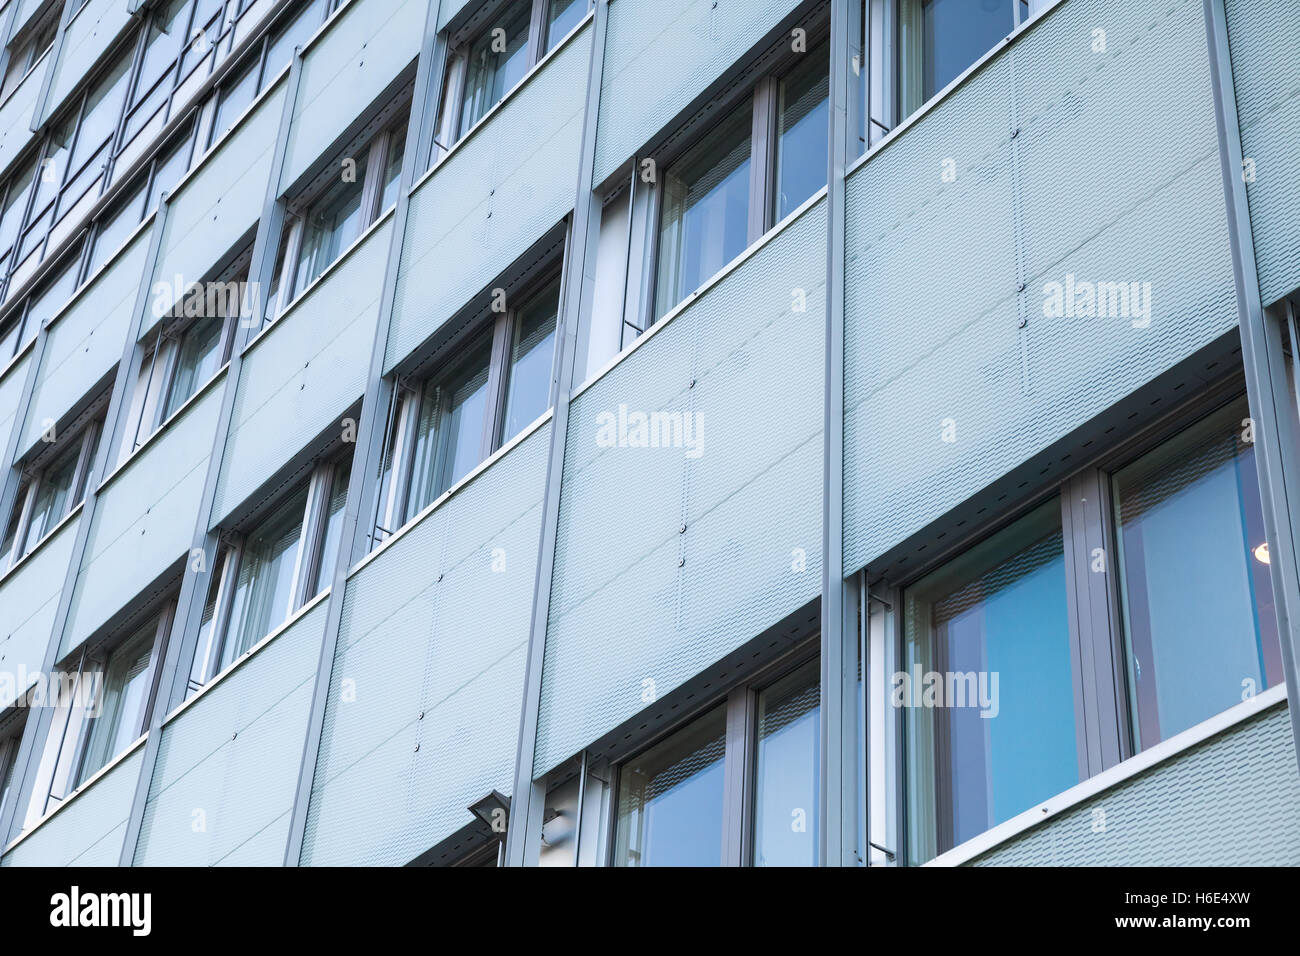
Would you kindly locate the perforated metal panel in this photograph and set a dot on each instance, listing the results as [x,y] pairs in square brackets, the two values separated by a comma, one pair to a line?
[29,598]
[228,765]
[667,560]
[932,328]
[85,39]
[500,192]
[300,377]
[1263,38]
[90,829]
[85,341]
[1233,800]
[11,393]
[423,712]
[220,201]
[362,52]
[660,55]
[144,520]
[16,115]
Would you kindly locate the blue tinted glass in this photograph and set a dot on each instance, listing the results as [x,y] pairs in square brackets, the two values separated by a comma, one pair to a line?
[528,391]
[988,688]
[564,15]
[802,133]
[670,799]
[787,781]
[1189,523]
[956,33]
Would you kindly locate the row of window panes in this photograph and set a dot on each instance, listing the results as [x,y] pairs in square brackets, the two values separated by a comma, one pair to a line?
[49,495]
[106,131]
[1187,523]
[27,49]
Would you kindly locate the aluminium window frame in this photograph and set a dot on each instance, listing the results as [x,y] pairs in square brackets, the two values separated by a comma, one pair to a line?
[1103,718]
[308,561]
[404,412]
[33,476]
[740,756]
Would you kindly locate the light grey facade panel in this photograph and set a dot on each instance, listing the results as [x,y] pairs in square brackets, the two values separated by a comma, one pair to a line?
[227,765]
[303,374]
[144,520]
[422,712]
[644,599]
[11,395]
[29,598]
[88,831]
[1263,38]
[16,115]
[219,202]
[500,191]
[86,38]
[960,366]
[85,341]
[449,9]
[1233,800]
[662,54]
[365,48]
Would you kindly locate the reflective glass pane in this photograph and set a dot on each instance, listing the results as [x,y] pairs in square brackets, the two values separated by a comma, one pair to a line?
[705,220]
[956,33]
[802,135]
[264,585]
[102,111]
[528,390]
[121,701]
[393,169]
[787,778]
[988,687]
[330,226]
[197,360]
[115,226]
[497,61]
[1189,524]
[53,494]
[235,96]
[166,33]
[562,17]
[670,799]
[333,525]
[15,204]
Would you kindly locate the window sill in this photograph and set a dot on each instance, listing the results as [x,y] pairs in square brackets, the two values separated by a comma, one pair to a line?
[1125,770]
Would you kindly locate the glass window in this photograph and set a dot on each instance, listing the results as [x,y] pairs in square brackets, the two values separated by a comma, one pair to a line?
[102,111]
[330,226]
[197,359]
[293,33]
[1188,522]
[26,54]
[334,509]
[449,430]
[956,33]
[166,33]
[234,98]
[497,61]
[115,226]
[670,799]
[120,702]
[11,529]
[705,221]
[168,170]
[787,787]
[562,17]
[528,391]
[263,595]
[393,169]
[803,132]
[52,296]
[15,205]
[988,690]
[53,496]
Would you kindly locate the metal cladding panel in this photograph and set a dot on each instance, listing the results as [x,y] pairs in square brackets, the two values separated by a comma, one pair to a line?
[219,202]
[11,393]
[29,598]
[16,115]
[345,70]
[85,342]
[1046,211]
[660,55]
[89,830]
[492,198]
[698,562]
[448,9]
[227,769]
[144,522]
[87,37]
[423,711]
[1233,800]
[1263,38]
[301,376]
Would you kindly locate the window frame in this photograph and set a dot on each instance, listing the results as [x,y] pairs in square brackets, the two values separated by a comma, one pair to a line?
[740,757]
[408,390]
[85,439]
[1103,714]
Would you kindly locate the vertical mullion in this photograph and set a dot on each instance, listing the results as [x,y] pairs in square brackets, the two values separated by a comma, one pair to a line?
[308,538]
[503,334]
[737,772]
[761,157]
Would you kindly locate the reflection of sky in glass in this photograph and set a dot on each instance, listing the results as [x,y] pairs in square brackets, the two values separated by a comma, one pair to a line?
[957,33]
[787,779]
